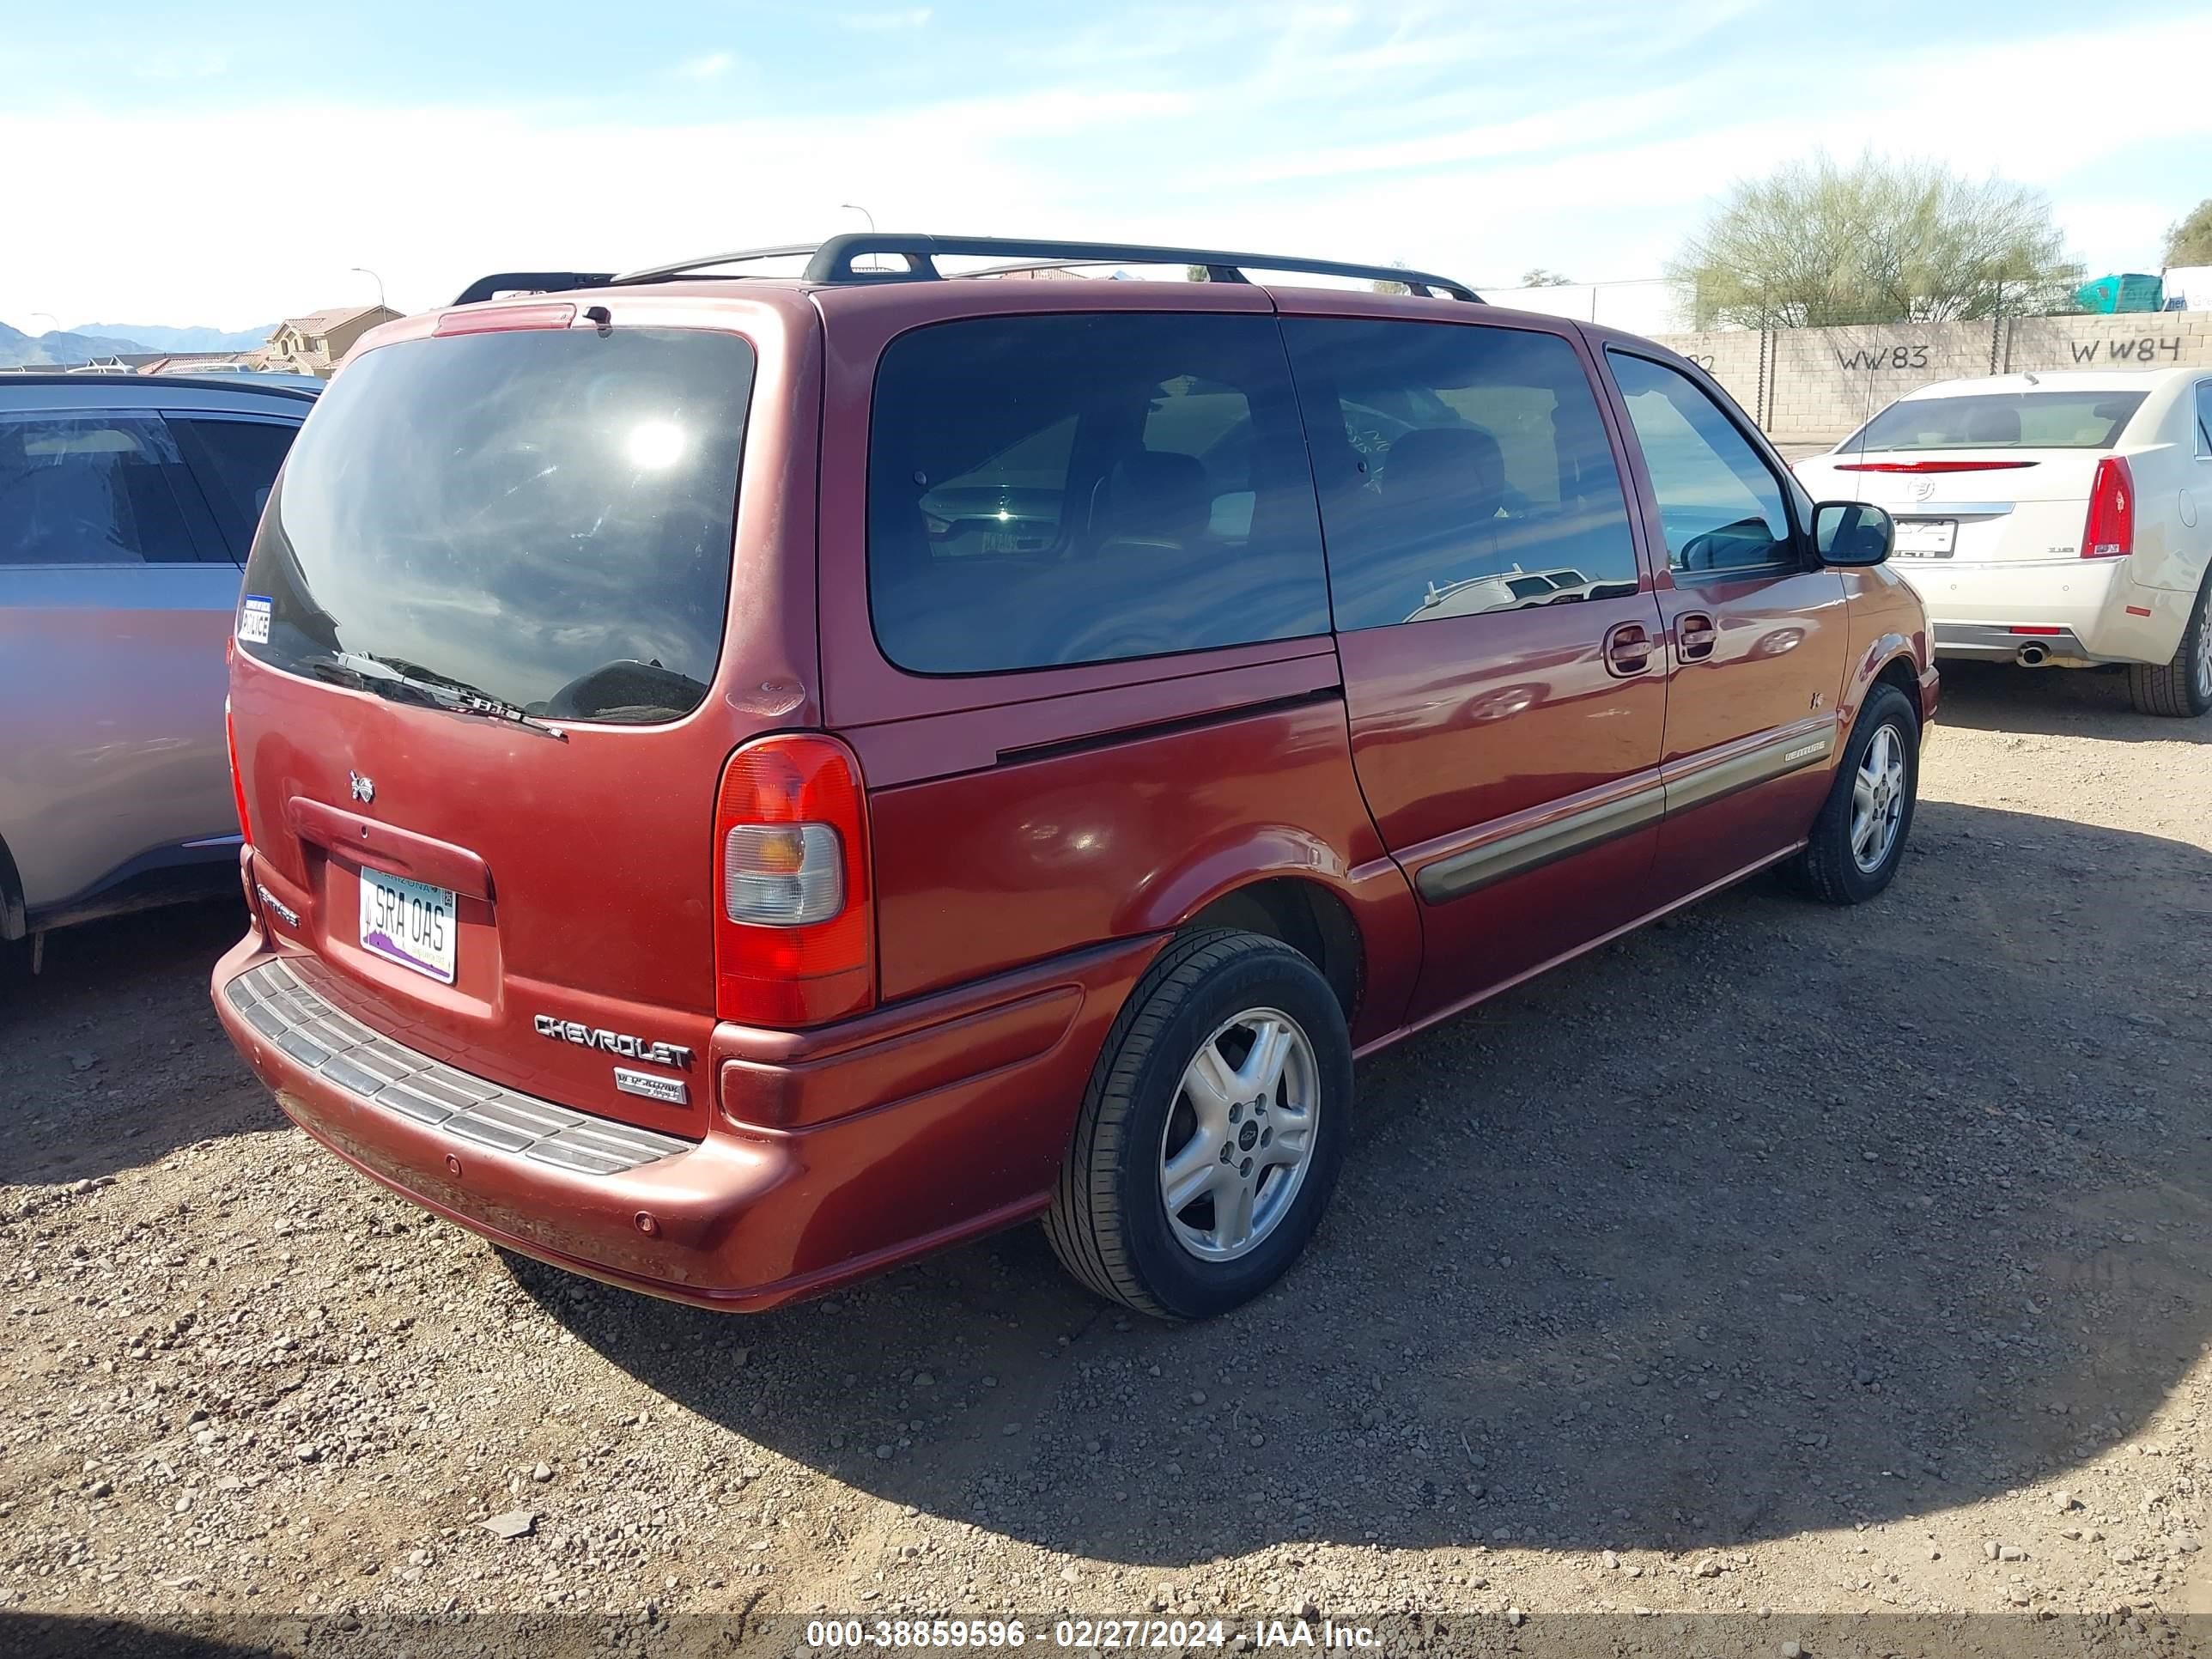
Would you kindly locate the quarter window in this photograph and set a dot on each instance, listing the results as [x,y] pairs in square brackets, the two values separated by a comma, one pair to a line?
[1721,507]
[2204,417]
[1462,469]
[90,489]
[236,463]
[1062,489]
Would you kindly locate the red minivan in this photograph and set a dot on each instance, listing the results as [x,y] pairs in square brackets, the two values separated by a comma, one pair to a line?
[748,779]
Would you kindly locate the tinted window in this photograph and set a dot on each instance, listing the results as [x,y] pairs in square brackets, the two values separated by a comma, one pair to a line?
[1069,489]
[236,463]
[1461,470]
[2003,420]
[542,515]
[1722,509]
[2204,417]
[90,489]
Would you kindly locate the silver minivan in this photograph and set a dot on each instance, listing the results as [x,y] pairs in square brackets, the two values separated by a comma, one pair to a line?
[127,507]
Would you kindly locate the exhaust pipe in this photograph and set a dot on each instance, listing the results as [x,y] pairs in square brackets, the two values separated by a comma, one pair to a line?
[2032,655]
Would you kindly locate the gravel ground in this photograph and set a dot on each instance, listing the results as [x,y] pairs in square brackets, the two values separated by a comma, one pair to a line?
[1782,1263]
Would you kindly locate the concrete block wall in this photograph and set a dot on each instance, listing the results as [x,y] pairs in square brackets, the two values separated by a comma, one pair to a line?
[2158,339]
[1731,356]
[1821,384]
[1826,382]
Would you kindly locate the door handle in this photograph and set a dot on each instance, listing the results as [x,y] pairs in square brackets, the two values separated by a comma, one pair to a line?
[1694,634]
[1628,648]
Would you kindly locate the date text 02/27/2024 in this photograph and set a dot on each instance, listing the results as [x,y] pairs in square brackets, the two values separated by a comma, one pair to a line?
[1089,1634]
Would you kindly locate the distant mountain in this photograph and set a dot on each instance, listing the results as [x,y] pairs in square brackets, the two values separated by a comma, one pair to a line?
[18,350]
[160,336]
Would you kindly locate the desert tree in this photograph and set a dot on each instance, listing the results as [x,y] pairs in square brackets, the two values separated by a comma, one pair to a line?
[2189,241]
[1817,243]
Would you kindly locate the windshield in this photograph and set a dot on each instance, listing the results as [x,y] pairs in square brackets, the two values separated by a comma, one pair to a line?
[2001,420]
[543,516]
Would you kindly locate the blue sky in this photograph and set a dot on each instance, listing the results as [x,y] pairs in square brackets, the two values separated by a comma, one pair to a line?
[227,163]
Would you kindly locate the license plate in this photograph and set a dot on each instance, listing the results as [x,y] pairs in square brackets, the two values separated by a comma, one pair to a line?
[409,922]
[1927,538]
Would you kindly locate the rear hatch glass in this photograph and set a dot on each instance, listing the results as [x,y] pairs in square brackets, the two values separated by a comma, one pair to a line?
[2072,419]
[541,518]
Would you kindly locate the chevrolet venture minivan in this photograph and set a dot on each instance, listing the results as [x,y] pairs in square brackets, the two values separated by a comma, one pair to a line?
[747,779]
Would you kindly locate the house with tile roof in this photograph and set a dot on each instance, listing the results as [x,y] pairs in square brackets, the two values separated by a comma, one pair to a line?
[317,343]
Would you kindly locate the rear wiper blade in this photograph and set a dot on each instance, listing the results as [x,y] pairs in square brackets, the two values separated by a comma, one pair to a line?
[333,671]
[442,690]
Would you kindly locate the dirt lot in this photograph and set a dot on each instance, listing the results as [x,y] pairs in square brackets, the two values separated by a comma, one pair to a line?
[1834,1264]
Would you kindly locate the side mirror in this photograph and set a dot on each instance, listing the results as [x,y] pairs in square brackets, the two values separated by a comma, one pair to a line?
[1852,533]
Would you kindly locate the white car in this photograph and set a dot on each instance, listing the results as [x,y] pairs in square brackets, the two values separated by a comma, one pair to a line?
[2060,518]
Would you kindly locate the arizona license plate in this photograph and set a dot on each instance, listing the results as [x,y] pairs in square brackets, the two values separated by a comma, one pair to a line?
[1927,538]
[409,922]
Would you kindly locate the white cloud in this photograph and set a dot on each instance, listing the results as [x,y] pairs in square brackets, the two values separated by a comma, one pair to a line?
[1588,194]
[707,66]
[437,198]
[884,22]
[1308,148]
[2124,233]
[1570,126]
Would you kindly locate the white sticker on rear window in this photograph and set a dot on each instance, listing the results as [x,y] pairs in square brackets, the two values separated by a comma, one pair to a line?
[253,620]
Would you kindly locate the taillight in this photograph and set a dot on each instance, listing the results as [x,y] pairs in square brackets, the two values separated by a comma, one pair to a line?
[2111,529]
[794,922]
[237,778]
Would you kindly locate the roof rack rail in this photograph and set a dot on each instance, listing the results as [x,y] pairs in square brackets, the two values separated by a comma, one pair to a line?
[833,264]
[531,281]
[691,267]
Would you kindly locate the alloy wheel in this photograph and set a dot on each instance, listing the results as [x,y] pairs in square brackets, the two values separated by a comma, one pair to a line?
[2202,669]
[1878,798]
[1240,1135]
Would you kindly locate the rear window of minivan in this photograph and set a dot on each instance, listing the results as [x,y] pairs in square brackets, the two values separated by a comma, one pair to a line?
[1078,488]
[544,517]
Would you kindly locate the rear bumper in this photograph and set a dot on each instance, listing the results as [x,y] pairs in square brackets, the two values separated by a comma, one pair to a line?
[2102,615]
[919,1149]
[1996,642]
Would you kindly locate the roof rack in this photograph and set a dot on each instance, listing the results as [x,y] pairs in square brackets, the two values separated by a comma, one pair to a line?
[692,267]
[833,263]
[531,281]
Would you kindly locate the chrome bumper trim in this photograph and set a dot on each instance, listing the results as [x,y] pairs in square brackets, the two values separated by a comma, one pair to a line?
[275,1001]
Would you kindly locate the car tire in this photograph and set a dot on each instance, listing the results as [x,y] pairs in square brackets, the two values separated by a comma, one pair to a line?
[2181,687]
[1155,1113]
[1841,864]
